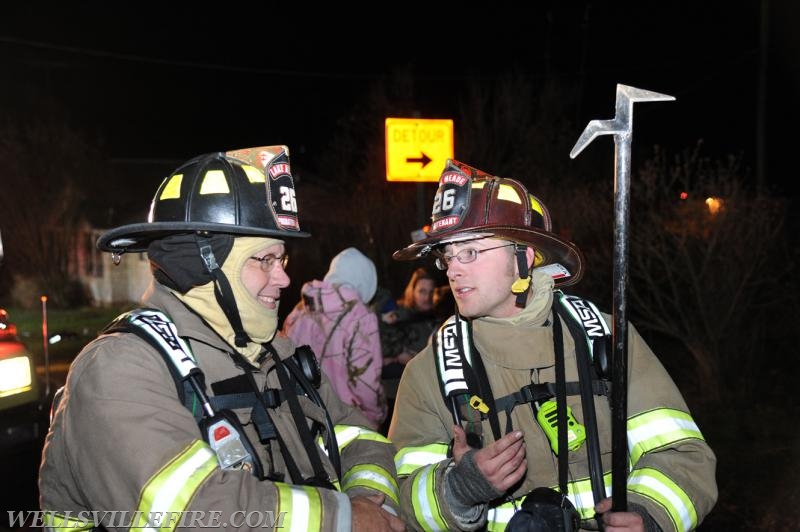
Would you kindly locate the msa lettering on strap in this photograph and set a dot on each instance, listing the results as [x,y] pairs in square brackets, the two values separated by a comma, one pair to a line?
[585,312]
[452,346]
[163,331]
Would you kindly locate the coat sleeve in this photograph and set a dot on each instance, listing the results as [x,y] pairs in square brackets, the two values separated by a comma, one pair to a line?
[673,473]
[122,441]
[420,431]
[367,457]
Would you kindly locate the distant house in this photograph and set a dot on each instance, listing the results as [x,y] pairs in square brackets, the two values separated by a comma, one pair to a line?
[107,283]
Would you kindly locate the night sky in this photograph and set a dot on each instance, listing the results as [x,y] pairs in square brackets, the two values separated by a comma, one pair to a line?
[162,83]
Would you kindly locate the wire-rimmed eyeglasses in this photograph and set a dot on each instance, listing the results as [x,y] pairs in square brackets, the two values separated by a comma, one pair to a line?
[464,256]
[269,261]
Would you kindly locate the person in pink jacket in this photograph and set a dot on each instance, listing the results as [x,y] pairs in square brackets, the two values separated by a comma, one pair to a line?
[333,319]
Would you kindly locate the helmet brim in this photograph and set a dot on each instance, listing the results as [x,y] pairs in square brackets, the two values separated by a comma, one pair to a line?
[553,249]
[135,238]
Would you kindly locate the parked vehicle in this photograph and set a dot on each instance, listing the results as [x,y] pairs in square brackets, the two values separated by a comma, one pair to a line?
[24,406]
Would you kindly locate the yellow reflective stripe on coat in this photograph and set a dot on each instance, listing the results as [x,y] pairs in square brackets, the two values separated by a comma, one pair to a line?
[499,516]
[410,459]
[303,507]
[657,428]
[423,500]
[347,434]
[171,489]
[581,496]
[64,523]
[374,477]
[659,488]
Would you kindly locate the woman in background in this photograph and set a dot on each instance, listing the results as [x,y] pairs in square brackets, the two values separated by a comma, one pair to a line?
[406,329]
[333,319]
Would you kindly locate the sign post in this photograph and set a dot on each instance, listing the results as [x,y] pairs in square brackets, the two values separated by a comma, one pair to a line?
[417,148]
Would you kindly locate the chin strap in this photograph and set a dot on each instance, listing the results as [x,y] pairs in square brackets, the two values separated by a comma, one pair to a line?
[222,291]
[523,284]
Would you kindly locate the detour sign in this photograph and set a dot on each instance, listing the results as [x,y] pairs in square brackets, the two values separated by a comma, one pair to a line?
[417,148]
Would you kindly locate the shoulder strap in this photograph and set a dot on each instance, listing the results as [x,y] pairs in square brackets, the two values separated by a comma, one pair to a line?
[452,352]
[462,374]
[598,335]
[154,327]
[459,376]
[583,353]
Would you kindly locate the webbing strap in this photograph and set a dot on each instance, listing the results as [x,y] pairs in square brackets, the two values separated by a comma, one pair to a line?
[561,406]
[285,377]
[461,373]
[270,397]
[485,391]
[540,392]
[587,399]
[154,327]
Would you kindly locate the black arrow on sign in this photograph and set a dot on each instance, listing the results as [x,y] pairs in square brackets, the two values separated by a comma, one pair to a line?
[424,159]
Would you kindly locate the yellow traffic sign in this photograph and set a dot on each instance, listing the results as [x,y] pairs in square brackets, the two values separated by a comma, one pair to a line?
[417,148]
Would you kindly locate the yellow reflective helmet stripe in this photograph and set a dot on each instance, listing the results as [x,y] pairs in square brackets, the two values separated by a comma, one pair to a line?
[410,459]
[171,488]
[172,190]
[64,523]
[374,477]
[303,507]
[214,182]
[656,428]
[657,487]
[424,502]
[254,175]
[508,193]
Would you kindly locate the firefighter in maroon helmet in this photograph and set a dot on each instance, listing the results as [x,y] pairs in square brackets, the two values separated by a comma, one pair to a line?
[490,421]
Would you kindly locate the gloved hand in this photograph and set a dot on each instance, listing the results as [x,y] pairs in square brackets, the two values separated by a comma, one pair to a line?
[480,476]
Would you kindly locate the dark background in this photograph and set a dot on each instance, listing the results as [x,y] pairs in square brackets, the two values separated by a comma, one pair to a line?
[160,83]
[154,84]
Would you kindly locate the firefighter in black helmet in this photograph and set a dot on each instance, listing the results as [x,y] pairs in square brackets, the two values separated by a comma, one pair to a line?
[205,411]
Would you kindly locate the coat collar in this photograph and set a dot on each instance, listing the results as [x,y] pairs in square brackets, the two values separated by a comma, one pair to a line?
[187,323]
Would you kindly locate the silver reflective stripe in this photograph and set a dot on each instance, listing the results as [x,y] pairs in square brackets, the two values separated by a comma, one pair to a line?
[171,489]
[426,507]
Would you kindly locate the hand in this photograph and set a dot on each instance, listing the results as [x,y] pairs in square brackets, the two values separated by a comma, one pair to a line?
[368,515]
[502,463]
[404,357]
[618,521]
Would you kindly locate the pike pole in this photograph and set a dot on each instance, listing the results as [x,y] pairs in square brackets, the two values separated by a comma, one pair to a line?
[622,129]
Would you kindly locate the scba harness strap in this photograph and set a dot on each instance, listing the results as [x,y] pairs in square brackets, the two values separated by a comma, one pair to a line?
[216,416]
[459,370]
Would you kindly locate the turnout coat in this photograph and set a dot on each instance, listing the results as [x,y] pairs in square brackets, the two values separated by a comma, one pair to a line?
[673,468]
[121,440]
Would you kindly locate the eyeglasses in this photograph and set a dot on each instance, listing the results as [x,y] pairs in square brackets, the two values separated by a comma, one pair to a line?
[464,256]
[269,261]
